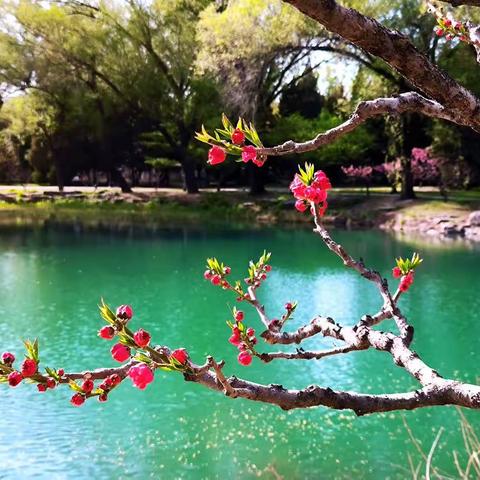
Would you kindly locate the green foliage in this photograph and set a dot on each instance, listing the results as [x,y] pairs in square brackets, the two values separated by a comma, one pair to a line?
[345,150]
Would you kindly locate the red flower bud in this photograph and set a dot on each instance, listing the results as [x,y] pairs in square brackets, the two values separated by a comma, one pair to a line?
[14,378]
[244,358]
[142,338]
[8,358]
[77,400]
[51,383]
[88,385]
[239,316]
[250,332]
[238,137]
[124,312]
[42,387]
[120,352]
[288,306]
[107,332]
[227,270]
[447,22]
[301,205]
[29,367]
[115,379]
[268,268]
[216,155]
[216,280]
[207,275]
[61,372]
[180,355]
[103,397]
[396,272]
[406,281]
[234,340]
[439,31]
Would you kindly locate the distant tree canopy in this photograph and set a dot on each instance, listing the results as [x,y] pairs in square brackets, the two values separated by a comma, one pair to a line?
[104,86]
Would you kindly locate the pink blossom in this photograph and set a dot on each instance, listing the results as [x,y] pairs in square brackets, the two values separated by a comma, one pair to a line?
[141,375]
[249,152]
[124,312]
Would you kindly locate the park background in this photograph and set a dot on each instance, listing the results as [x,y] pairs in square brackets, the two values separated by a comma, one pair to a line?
[106,193]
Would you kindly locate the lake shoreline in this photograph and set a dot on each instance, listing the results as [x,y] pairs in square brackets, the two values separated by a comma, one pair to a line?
[152,209]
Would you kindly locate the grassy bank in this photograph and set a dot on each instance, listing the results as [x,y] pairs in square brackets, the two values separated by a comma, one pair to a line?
[350,207]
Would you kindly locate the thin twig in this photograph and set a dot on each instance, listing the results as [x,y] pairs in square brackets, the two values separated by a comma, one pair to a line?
[228,389]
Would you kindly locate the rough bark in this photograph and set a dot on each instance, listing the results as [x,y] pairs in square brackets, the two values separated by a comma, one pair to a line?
[407,192]
[458,3]
[119,179]
[190,179]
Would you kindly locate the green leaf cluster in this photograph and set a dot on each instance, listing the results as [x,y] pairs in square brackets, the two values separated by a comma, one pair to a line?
[406,265]
[222,136]
[32,349]
[107,314]
[255,267]
[215,266]
[307,174]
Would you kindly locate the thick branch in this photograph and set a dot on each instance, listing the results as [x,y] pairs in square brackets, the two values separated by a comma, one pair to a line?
[458,3]
[447,393]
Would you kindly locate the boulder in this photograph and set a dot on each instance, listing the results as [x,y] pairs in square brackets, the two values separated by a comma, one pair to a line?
[474,218]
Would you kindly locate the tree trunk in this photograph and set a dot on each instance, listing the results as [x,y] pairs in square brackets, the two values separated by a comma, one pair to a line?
[119,179]
[189,177]
[255,179]
[407,192]
[58,171]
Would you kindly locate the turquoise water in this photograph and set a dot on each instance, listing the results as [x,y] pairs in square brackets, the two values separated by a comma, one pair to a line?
[51,282]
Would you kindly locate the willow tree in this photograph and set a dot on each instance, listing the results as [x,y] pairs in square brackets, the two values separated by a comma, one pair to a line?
[131,65]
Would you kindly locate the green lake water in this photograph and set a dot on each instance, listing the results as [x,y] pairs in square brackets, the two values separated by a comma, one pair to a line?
[51,283]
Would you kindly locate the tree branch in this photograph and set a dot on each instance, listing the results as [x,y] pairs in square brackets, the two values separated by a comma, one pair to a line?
[301,354]
[405,102]
[458,3]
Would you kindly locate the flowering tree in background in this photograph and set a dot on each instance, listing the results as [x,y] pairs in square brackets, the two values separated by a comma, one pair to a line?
[436,95]
[360,173]
[425,168]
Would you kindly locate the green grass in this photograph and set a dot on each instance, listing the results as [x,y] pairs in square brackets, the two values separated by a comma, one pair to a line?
[232,207]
